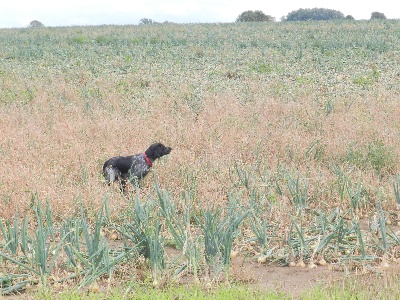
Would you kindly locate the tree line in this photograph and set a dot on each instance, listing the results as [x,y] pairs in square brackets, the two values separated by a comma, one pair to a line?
[302,14]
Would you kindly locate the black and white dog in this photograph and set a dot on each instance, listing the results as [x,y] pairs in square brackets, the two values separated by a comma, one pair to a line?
[134,167]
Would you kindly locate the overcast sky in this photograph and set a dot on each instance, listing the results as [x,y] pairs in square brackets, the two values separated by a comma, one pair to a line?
[19,13]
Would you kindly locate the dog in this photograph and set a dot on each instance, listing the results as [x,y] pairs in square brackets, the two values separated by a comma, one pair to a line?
[134,167]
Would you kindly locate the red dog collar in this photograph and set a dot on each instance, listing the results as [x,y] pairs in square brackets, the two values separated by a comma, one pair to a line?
[147,160]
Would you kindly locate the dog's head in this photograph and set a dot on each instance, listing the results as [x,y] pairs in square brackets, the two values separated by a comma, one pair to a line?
[157,150]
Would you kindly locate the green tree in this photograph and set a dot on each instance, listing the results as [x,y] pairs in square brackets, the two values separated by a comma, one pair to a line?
[36,23]
[315,14]
[349,17]
[378,16]
[254,16]
[146,21]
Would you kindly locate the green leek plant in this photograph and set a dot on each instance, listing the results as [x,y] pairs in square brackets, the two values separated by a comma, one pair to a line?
[72,240]
[42,245]
[326,231]
[396,189]
[179,226]
[381,240]
[342,180]
[11,283]
[97,258]
[193,252]
[42,256]
[243,176]
[144,230]
[298,193]
[219,232]
[258,223]
[355,198]
[298,242]
[14,236]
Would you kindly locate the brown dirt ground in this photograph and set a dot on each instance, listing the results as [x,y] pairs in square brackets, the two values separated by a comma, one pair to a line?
[291,280]
[295,281]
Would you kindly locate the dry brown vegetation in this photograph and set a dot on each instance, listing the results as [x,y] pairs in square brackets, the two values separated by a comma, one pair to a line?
[58,151]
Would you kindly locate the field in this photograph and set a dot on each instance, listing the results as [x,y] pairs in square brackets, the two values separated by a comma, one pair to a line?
[285,141]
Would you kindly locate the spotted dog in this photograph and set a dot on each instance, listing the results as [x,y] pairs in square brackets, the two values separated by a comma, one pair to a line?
[134,167]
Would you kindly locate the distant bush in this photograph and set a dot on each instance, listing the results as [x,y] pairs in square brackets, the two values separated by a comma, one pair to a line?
[146,21]
[314,14]
[36,23]
[349,17]
[378,16]
[254,16]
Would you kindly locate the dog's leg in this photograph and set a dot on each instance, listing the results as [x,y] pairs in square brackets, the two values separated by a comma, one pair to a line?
[122,185]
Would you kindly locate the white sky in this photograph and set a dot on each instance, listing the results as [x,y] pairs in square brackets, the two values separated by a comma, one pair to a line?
[19,13]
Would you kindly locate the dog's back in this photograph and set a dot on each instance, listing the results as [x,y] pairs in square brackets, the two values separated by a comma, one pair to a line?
[124,167]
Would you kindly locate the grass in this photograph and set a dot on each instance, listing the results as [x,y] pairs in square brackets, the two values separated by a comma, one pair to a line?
[296,122]
[372,287]
[172,292]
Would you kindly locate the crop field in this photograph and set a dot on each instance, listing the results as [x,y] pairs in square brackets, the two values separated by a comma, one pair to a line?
[286,152]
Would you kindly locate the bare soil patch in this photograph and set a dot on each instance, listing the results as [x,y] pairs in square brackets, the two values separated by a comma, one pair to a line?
[291,280]
[295,281]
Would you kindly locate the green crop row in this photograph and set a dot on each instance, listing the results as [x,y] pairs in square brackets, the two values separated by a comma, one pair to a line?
[206,237]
